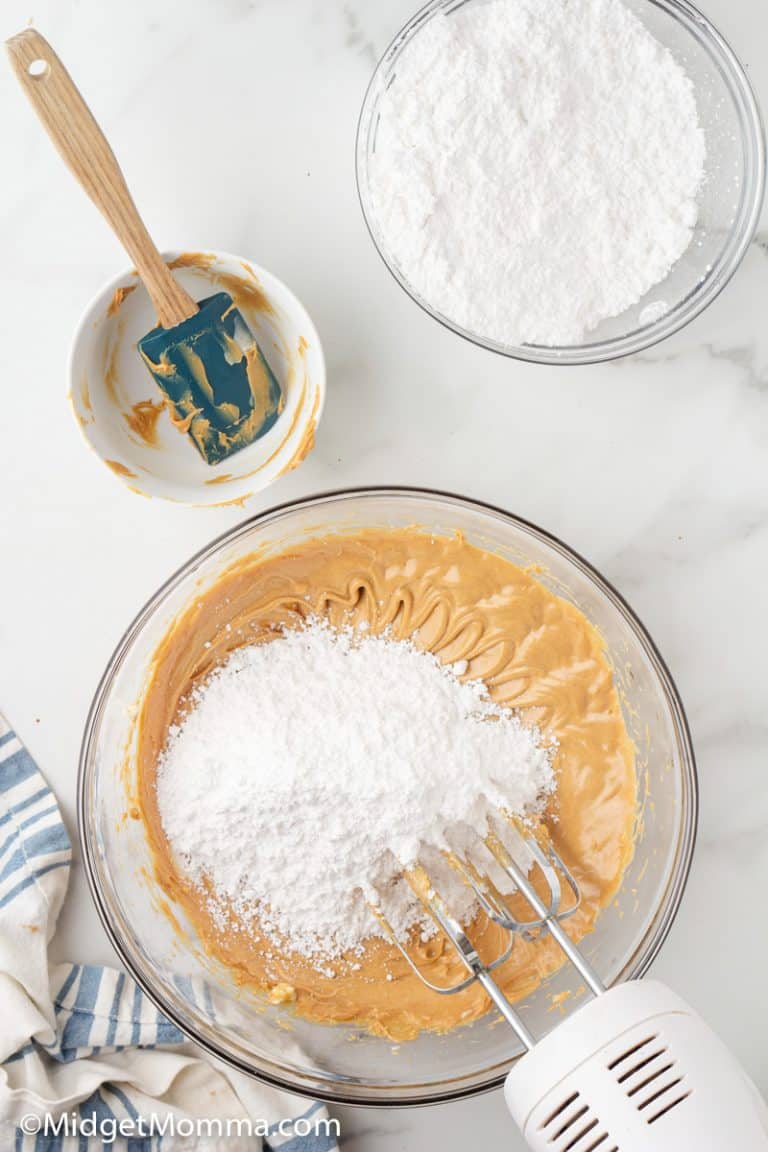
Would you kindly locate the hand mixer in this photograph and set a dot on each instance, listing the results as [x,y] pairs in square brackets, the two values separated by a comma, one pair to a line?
[634,1070]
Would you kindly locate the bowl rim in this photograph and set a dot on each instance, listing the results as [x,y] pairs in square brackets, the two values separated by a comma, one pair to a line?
[704,292]
[239,490]
[637,965]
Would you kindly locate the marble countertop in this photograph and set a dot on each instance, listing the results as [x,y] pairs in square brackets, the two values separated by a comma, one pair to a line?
[654,467]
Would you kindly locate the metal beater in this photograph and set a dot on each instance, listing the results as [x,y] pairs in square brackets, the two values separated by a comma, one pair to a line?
[633,1070]
[549,914]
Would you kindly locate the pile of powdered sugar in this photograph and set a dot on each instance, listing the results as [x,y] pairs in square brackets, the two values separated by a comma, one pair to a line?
[536,166]
[310,769]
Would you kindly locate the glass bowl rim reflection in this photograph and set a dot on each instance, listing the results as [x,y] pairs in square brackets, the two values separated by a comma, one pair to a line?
[715,278]
[384,1095]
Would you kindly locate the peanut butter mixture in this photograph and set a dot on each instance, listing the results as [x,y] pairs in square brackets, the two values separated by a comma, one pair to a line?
[535,651]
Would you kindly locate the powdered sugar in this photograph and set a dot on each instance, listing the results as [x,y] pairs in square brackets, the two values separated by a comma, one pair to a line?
[536,165]
[310,769]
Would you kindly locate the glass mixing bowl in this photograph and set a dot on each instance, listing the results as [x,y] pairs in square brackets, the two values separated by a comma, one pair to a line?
[729,200]
[340,1062]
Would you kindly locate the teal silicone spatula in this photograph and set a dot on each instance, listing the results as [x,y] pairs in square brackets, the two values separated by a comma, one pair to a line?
[217,383]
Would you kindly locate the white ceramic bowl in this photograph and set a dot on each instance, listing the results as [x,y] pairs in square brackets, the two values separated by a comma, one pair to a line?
[117,404]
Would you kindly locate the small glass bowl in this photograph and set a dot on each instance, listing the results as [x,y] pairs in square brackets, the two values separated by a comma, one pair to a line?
[341,1062]
[730,199]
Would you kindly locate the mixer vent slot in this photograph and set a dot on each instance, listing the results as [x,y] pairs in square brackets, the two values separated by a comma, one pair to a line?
[631,1051]
[648,1064]
[667,1107]
[651,1078]
[573,1127]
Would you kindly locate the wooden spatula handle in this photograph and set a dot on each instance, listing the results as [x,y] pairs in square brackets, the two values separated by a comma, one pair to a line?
[84,148]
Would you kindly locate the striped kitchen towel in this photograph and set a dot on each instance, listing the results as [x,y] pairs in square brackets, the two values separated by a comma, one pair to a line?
[86,1060]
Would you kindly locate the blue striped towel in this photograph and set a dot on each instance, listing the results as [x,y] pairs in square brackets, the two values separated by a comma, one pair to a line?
[86,1060]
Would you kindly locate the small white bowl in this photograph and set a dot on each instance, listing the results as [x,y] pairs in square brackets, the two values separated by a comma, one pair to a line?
[119,408]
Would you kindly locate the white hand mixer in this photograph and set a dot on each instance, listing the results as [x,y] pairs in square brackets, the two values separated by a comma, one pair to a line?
[634,1070]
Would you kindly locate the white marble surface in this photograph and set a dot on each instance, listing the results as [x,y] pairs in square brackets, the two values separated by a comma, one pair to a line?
[234,120]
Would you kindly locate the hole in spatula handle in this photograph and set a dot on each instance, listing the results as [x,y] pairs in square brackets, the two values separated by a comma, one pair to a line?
[37,69]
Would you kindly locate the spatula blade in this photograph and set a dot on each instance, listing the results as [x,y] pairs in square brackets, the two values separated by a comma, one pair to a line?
[219,388]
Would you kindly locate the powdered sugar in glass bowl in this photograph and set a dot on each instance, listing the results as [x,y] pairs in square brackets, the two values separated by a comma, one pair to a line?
[729,199]
[343,1062]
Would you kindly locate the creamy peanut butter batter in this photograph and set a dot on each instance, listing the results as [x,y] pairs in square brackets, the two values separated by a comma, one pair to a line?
[535,651]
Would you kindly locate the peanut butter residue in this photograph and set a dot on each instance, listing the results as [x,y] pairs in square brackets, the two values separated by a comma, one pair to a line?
[118,296]
[296,418]
[246,290]
[82,411]
[85,396]
[536,652]
[120,469]
[111,374]
[307,442]
[258,378]
[142,419]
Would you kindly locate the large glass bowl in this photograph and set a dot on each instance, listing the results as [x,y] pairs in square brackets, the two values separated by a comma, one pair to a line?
[729,201]
[320,1060]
